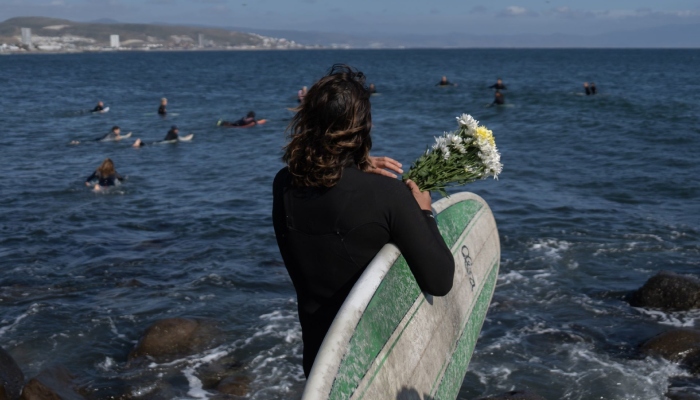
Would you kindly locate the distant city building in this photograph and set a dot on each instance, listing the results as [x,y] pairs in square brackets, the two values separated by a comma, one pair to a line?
[27,36]
[201,40]
[114,41]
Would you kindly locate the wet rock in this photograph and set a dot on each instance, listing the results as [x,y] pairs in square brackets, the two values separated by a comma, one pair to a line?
[171,338]
[11,377]
[234,385]
[677,345]
[683,396]
[515,395]
[54,383]
[668,291]
[213,373]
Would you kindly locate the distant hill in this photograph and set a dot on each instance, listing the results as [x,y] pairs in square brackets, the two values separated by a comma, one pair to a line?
[98,33]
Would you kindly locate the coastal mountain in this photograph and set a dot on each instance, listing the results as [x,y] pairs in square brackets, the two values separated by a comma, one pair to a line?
[57,34]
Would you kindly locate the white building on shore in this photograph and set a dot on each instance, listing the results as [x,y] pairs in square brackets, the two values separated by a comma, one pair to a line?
[114,41]
[26,36]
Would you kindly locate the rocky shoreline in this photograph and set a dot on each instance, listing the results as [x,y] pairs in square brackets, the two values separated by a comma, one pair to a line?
[168,340]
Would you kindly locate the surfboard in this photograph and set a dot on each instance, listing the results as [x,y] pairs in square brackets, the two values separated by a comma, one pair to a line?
[104,110]
[121,137]
[185,138]
[391,341]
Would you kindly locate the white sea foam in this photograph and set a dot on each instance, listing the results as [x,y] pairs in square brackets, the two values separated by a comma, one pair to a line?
[681,319]
[551,248]
[32,310]
[107,364]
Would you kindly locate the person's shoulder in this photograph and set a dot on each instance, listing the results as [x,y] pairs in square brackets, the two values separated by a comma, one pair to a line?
[282,177]
[381,184]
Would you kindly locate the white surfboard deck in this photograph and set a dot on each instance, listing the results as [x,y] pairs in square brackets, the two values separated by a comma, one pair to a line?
[185,138]
[391,341]
[121,137]
[104,110]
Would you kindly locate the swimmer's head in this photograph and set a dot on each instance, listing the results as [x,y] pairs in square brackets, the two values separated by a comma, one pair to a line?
[174,128]
[444,79]
[116,129]
[585,84]
[251,114]
[106,168]
[163,101]
[330,130]
[499,80]
[99,103]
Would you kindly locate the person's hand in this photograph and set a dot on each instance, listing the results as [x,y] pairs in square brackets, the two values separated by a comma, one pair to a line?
[381,164]
[423,198]
[87,184]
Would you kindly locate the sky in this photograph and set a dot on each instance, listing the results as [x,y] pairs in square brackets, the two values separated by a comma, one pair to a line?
[400,17]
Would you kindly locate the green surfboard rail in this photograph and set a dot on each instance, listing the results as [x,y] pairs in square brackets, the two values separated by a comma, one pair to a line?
[391,302]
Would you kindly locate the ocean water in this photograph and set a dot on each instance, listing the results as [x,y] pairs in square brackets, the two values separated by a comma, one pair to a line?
[598,193]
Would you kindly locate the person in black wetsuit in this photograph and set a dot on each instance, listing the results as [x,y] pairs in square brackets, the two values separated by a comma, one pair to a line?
[248,120]
[499,99]
[587,88]
[335,207]
[172,134]
[498,85]
[105,175]
[445,82]
[99,107]
[163,104]
[594,90]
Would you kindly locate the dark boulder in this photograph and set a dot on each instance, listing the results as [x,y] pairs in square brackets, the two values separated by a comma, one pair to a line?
[11,377]
[235,385]
[515,395]
[171,338]
[54,383]
[677,345]
[668,291]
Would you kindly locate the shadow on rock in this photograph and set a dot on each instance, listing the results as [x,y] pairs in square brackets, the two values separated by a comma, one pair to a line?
[11,377]
[668,291]
[53,383]
[412,394]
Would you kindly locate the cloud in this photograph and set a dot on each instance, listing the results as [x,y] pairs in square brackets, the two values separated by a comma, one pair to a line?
[516,11]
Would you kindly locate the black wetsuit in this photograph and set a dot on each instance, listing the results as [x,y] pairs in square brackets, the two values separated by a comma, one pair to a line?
[162,110]
[171,135]
[241,122]
[594,90]
[446,83]
[327,237]
[109,136]
[498,86]
[110,180]
[588,90]
[499,100]
[98,108]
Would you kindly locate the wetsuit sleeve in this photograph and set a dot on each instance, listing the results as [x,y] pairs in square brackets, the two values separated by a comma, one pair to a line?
[119,177]
[91,177]
[415,233]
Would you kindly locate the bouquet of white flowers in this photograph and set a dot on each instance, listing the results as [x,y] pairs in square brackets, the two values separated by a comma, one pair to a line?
[457,158]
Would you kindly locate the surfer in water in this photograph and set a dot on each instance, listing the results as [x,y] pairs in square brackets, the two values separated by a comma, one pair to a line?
[587,88]
[372,89]
[445,82]
[172,134]
[248,120]
[301,94]
[114,134]
[498,85]
[499,99]
[105,175]
[163,104]
[99,107]
[594,90]
[335,207]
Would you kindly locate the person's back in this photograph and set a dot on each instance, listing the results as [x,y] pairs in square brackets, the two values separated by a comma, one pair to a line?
[331,216]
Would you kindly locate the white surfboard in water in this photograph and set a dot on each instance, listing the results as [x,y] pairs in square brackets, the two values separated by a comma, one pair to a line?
[390,340]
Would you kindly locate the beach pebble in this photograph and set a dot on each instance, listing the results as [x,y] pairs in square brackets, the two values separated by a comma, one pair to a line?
[668,291]
[11,377]
[677,345]
[168,339]
[514,395]
[53,383]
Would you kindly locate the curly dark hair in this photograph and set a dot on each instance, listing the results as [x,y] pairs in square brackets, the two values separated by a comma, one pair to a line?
[331,129]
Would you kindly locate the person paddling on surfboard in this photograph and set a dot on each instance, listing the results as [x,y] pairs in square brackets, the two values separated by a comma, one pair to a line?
[172,134]
[99,107]
[248,120]
[499,99]
[163,104]
[335,207]
[445,82]
[105,175]
[114,134]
